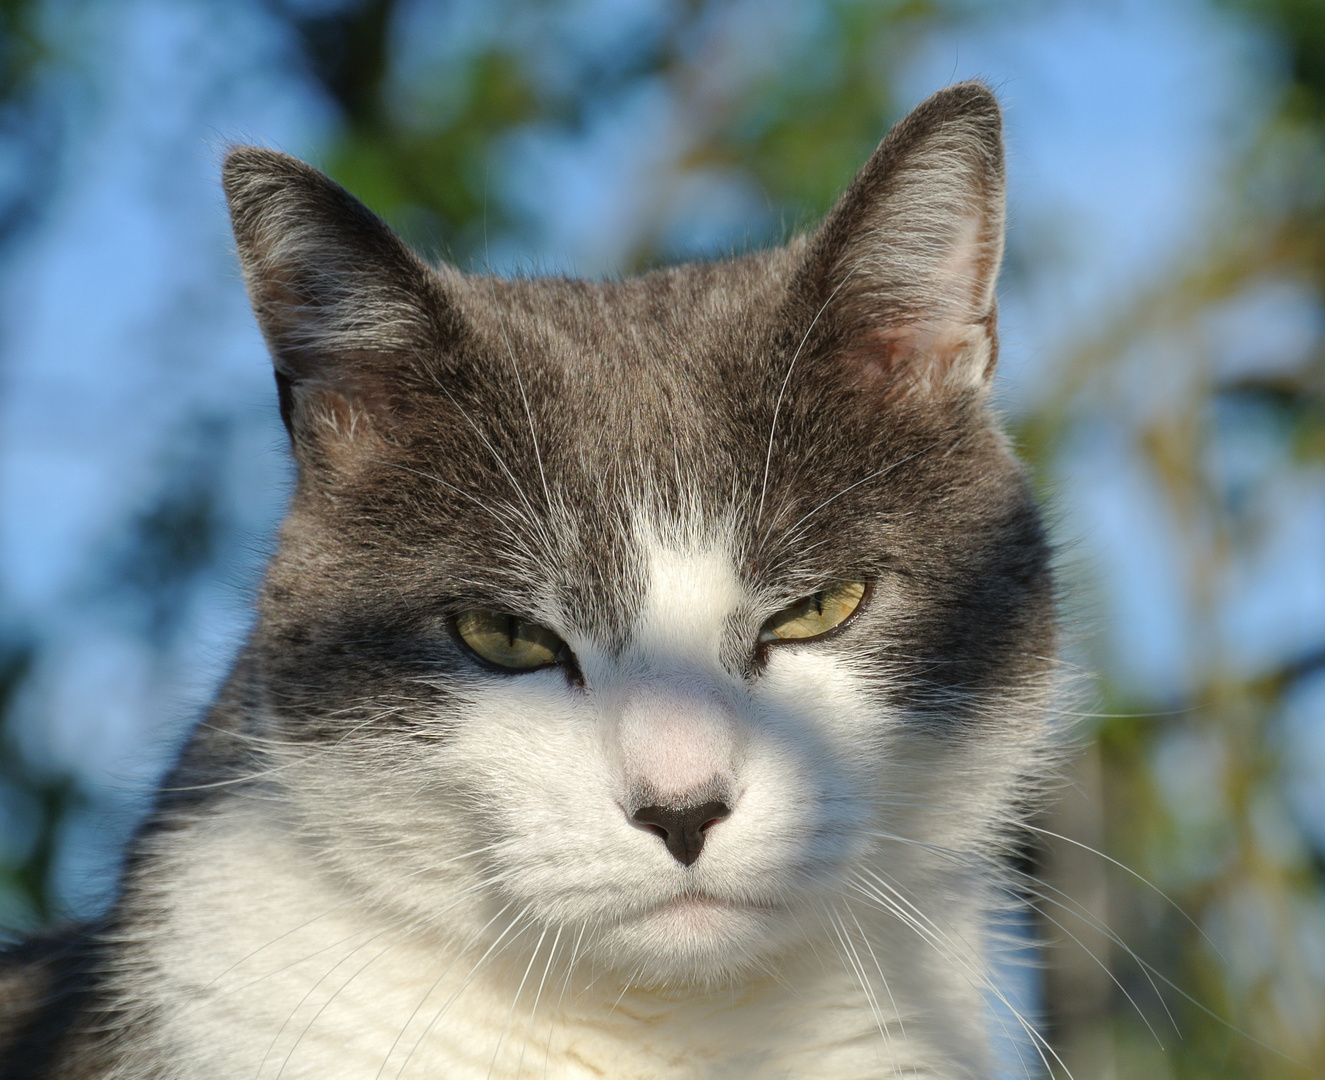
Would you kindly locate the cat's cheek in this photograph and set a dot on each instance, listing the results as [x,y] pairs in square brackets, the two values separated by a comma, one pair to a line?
[540,788]
[830,706]
[824,734]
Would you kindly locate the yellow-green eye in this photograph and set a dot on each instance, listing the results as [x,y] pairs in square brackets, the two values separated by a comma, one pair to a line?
[509,641]
[815,615]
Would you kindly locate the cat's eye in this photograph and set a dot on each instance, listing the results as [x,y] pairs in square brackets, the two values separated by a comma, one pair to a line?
[816,615]
[508,641]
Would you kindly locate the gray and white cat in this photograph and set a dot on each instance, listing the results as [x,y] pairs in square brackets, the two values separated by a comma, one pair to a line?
[648,684]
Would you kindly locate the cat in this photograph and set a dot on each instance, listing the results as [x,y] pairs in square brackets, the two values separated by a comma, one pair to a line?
[649,682]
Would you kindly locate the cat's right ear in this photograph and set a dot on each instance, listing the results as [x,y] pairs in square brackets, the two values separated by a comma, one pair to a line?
[343,303]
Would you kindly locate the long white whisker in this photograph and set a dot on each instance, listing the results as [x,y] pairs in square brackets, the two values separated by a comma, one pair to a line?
[510,351]
[863,480]
[204,1002]
[561,998]
[538,996]
[356,973]
[300,1003]
[895,901]
[501,462]
[1127,869]
[901,1025]
[428,993]
[1116,981]
[853,961]
[1071,905]
[496,947]
[511,533]
[777,407]
[514,1001]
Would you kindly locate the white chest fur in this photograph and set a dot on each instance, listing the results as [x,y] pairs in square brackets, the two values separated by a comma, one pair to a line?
[266,969]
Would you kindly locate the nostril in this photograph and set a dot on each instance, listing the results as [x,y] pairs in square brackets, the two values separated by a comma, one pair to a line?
[682,828]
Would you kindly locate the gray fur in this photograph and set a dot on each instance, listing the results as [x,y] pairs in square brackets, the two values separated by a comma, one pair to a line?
[471,442]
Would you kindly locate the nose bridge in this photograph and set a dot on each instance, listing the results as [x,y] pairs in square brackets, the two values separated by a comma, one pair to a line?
[677,741]
[691,592]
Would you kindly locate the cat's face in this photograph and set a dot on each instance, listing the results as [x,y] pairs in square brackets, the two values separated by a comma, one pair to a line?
[657,615]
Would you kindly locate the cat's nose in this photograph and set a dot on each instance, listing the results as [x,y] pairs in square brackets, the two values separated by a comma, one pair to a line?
[682,828]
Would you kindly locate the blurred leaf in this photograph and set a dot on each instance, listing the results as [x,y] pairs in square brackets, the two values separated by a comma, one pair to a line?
[24,895]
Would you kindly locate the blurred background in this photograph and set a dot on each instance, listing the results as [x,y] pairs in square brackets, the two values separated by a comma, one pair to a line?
[1163,370]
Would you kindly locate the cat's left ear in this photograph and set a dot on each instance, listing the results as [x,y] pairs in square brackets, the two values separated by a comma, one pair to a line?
[901,274]
[346,307]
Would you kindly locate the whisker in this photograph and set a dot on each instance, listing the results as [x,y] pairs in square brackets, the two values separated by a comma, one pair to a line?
[538,996]
[1139,877]
[938,939]
[501,462]
[538,455]
[495,948]
[777,407]
[482,504]
[852,958]
[300,1003]
[882,978]
[336,993]
[790,534]
[428,993]
[561,998]
[1116,981]
[419,924]
[515,1000]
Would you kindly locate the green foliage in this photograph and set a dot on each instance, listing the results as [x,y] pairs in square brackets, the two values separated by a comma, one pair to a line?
[21,48]
[29,132]
[803,129]
[33,806]
[1299,27]
[1241,942]
[799,128]
[432,182]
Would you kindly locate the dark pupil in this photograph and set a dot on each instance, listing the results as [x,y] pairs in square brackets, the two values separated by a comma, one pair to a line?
[512,624]
[818,603]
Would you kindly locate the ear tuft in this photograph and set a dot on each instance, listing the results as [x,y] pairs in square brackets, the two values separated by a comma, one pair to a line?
[906,263]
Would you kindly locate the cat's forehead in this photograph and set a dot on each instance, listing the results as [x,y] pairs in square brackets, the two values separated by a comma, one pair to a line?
[592,449]
[630,359]
[664,398]
[692,308]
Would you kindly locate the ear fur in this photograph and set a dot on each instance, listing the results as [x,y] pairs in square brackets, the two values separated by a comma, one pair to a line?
[341,300]
[905,264]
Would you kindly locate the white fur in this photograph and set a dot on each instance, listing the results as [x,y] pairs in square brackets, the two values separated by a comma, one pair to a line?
[479,905]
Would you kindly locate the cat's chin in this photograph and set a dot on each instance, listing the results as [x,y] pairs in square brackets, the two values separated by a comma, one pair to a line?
[697,939]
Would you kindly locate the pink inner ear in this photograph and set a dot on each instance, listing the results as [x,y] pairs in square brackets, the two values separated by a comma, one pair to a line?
[965,276]
[880,355]
[946,341]
[897,359]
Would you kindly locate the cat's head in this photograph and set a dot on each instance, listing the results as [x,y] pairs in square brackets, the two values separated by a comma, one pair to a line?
[658,612]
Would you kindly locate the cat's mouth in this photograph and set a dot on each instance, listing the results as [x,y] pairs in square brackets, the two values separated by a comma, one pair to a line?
[699,903]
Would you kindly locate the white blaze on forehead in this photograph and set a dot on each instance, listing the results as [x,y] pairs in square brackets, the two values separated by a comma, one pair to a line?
[676,729]
[690,596]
